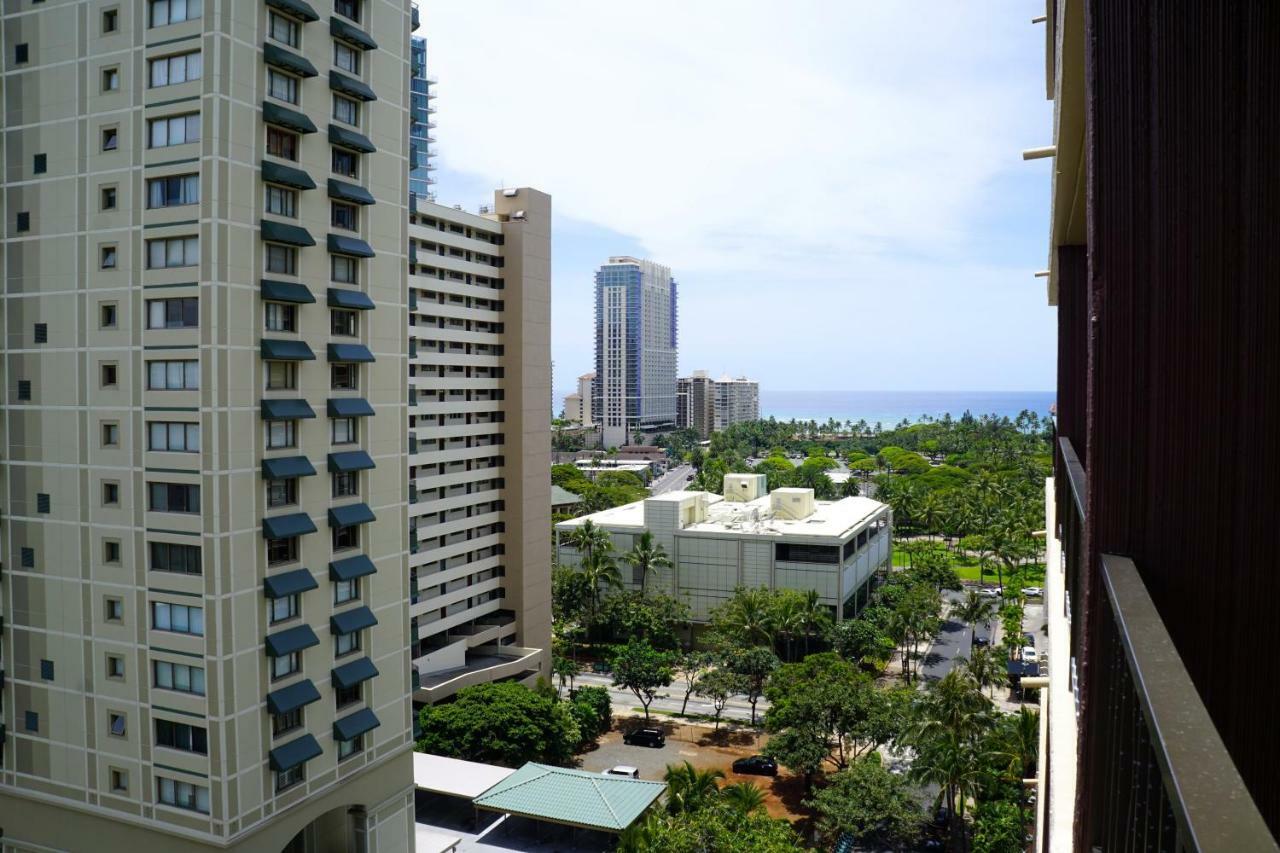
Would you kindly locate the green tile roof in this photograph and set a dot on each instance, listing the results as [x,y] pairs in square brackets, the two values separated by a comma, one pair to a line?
[561,496]
[572,797]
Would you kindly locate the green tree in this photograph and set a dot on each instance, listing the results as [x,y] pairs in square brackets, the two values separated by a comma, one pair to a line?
[690,789]
[743,797]
[506,724]
[601,573]
[588,539]
[999,827]
[642,669]
[861,641]
[746,618]
[565,670]
[988,668]
[593,710]
[689,667]
[973,609]
[646,556]
[719,828]
[869,803]
[753,665]
[656,617]
[718,686]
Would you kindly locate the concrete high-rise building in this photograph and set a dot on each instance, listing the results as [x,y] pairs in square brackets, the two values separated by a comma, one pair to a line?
[708,405]
[480,378]
[205,587]
[577,406]
[421,123]
[635,384]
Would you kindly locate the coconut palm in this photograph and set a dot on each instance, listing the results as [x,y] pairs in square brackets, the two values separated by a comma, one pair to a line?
[814,617]
[689,789]
[602,573]
[646,556]
[987,667]
[748,617]
[745,797]
[974,609]
[588,539]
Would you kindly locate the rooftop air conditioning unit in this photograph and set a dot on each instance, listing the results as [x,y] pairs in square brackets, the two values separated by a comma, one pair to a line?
[792,504]
[744,488]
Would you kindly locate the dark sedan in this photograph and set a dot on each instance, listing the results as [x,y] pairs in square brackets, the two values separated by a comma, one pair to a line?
[758,765]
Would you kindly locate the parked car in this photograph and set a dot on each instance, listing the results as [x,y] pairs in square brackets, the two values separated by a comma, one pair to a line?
[655,738]
[981,641]
[759,765]
[1033,591]
[622,770]
[1030,638]
[989,592]
[1029,654]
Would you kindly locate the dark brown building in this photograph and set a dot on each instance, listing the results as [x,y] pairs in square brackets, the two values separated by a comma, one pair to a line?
[1165,273]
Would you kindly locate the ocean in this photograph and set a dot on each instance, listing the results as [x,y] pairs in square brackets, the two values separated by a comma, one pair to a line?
[890,407]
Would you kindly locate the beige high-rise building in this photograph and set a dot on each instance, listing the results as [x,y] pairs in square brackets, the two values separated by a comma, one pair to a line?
[710,405]
[479,379]
[577,406]
[205,588]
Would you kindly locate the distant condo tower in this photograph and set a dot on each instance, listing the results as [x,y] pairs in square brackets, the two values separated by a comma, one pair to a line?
[635,384]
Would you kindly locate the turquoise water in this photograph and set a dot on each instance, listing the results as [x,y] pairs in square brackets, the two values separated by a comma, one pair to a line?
[890,407]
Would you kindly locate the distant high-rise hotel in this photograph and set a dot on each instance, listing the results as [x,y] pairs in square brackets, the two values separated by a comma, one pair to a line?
[709,405]
[420,123]
[635,384]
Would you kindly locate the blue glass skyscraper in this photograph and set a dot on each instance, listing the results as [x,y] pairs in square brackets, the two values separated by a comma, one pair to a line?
[420,123]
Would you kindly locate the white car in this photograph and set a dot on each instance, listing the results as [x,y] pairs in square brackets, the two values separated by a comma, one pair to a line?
[622,770]
[1029,654]
[1033,591]
[989,592]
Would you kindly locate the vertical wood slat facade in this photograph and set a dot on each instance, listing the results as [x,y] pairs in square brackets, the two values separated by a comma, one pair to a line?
[1171,343]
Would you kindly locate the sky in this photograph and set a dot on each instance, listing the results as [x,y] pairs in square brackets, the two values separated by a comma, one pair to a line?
[837,186]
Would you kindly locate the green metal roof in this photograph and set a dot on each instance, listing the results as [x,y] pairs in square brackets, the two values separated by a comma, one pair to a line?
[572,797]
[561,496]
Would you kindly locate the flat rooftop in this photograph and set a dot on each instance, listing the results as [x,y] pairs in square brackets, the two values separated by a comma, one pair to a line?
[830,519]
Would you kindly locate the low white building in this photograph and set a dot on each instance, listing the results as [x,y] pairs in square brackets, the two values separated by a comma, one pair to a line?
[748,537]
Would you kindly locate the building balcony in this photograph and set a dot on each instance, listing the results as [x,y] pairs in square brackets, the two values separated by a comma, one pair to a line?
[483,664]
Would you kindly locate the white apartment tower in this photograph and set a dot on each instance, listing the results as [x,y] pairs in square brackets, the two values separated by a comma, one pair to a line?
[635,383]
[479,378]
[204,600]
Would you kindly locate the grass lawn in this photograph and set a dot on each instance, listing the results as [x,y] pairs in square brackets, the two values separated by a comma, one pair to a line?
[968,569]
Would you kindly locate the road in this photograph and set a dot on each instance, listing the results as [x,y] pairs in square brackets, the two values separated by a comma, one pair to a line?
[954,641]
[669,700]
[675,479]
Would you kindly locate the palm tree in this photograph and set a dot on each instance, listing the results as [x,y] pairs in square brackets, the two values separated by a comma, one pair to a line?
[745,797]
[987,668]
[646,556]
[814,617]
[689,789]
[587,539]
[974,609]
[748,617]
[565,669]
[601,571]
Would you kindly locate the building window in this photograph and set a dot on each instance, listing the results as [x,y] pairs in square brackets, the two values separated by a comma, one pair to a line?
[343,431]
[285,665]
[282,260]
[173,191]
[21,53]
[282,87]
[111,552]
[345,162]
[110,493]
[173,497]
[343,322]
[283,609]
[346,57]
[117,724]
[172,70]
[345,484]
[113,609]
[343,376]
[107,315]
[171,792]
[109,377]
[169,252]
[282,202]
[348,748]
[111,79]
[110,20]
[174,130]
[164,12]
[107,257]
[348,9]
[40,164]
[181,375]
[282,492]
[119,778]
[346,110]
[284,723]
[23,222]
[115,667]
[107,198]
[178,677]
[171,557]
[40,333]
[173,436]
[46,670]
[280,317]
[281,375]
[282,29]
[343,216]
[110,138]
[24,389]
[344,591]
[345,644]
[183,736]
[282,550]
[286,779]
[346,537]
[31,721]
[177,313]
[343,269]
[344,696]
[28,558]
[282,143]
[177,618]
[282,434]
[110,434]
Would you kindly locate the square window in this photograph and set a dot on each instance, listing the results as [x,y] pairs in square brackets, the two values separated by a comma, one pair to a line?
[343,322]
[111,551]
[109,198]
[110,138]
[281,143]
[113,609]
[40,164]
[119,781]
[27,556]
[116,724]
[107,315]
[345,162]
[343,216]
[115,666]
[111,79]
[110,493]
[42,503]
[346,57]
[348,9]
[108,257]
[109,374]
[110,434]
[20,53]
[46,670]
[23,222]
[346,110]
[110,20]
[24,389]
[31,721]
[282,29]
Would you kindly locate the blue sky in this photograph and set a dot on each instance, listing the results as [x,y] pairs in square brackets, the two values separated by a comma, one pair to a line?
[837,186]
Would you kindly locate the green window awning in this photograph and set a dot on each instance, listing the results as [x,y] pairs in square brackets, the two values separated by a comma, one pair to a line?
[287,526]
[287,467]
[273,113]
[300,10]
[291,698]
[286,291]
[354,725]
[280,350]
[350,407]
[351,568]
[288,176]
[350,86]
[351,34]
[293,753]
[358,353]
[350,460]
[345,516]
[353,299]
[291,235]
[350,621]
[292,640]
[286,410]
[349,192]
[276,55]
[289,583]
[351,139]
[351,674]
[349,246]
